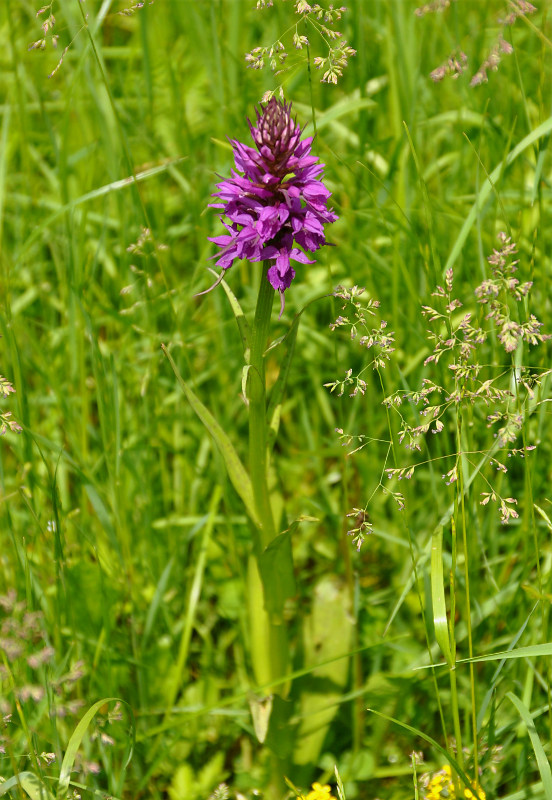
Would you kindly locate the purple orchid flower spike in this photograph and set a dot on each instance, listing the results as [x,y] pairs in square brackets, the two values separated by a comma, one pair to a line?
[275,200]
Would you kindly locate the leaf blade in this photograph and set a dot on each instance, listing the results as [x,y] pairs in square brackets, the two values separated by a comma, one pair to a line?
[236,471]
[440,621]
[542,761]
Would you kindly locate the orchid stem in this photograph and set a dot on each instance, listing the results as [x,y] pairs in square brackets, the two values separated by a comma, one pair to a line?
[269,646]
[257,409]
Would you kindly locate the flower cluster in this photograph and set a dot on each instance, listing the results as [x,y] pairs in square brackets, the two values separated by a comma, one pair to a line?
[454,66]
[6,420]
[441,785]
[494,293]
[459,341]
[320,19]
[275,199]
[456,63]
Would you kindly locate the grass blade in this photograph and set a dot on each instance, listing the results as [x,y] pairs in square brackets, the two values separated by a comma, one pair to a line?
[438,596]
[542,130]
[30,784]
[452,761]
[75,742]
[236,471]
[241,319]
[542,761]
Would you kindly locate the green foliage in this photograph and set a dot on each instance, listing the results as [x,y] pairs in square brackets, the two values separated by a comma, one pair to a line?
[121,534]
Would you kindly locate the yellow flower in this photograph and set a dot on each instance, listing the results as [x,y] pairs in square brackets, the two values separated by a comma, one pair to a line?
[441,787]
[319,792]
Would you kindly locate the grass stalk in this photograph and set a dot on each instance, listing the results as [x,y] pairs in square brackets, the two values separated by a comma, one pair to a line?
[468,597]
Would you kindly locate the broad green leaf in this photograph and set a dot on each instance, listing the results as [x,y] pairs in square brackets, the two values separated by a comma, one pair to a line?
[259,624]
[278,739]
[31,785]
[236,471]
[542,761]
[326,630]
[276,568]
[438,596]
[235,698]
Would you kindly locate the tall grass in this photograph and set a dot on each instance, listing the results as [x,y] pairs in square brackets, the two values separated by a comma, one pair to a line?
[119,530]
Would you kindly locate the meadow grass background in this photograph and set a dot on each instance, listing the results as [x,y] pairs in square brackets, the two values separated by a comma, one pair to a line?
[117,521]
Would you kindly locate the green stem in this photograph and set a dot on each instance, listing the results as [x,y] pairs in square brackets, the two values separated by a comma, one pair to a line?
[257,410]
[452,673]
[269,652]
[456,720]
[468,600]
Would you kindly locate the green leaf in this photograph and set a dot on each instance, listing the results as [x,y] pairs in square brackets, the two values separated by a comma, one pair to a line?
[542,761]
[30,784]
[75,742]
[544,516]
[236,471]
[491,687]
[241,319]
[339,782]
[278,738]
[326,630]
[533,651]
[183,783]
[438,596]
[452,761]
[261,708]
[276,568]
[156,602]
[277,394]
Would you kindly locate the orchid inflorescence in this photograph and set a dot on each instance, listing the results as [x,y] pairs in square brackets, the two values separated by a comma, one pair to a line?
[275,201]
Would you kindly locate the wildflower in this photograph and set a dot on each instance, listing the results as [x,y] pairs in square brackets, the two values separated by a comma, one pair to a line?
[319,793]
[275,199]
[441,785]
